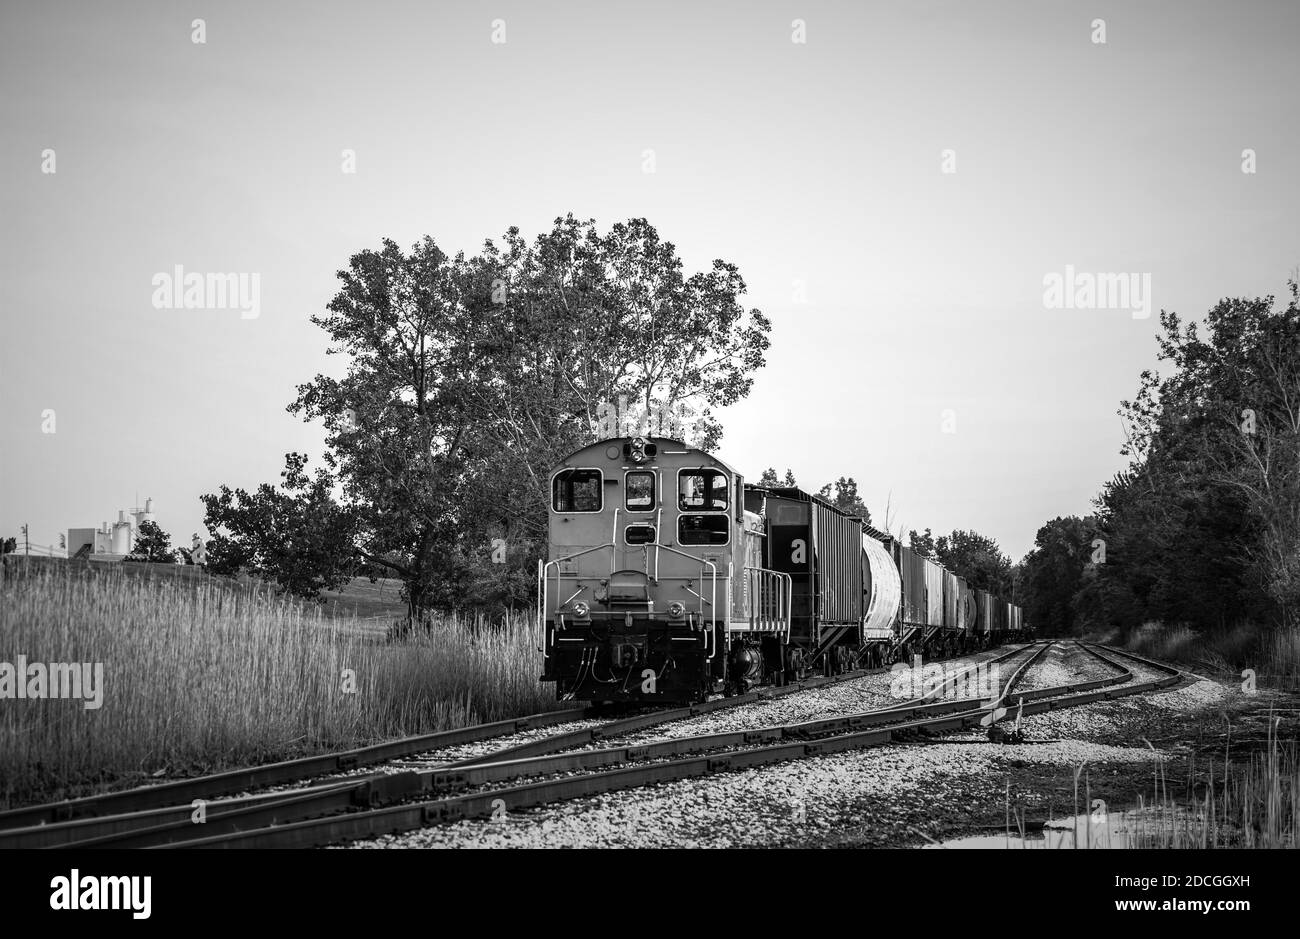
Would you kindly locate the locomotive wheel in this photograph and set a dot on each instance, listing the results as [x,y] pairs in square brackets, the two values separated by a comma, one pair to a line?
[791,664]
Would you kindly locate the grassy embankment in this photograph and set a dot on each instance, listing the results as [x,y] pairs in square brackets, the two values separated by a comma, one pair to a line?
[200,675]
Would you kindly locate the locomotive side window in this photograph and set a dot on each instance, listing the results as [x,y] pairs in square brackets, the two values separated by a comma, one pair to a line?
[703,529]
[702,490]
[577,490]
[639,492]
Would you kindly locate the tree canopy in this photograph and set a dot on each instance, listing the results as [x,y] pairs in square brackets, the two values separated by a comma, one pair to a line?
[846,497]
[468,378]
[970,555]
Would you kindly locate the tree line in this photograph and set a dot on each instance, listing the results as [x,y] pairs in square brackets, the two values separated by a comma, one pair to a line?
[1202,528]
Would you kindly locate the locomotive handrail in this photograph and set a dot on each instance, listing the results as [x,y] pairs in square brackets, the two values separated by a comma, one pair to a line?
[545,585]
[731,587]
[613,541]
[779,594]
[713,597]
[713,594]
[541,608]
[659,534]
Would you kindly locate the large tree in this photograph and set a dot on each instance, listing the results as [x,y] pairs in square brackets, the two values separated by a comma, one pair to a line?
[1053,572]
[467,379]
[151,544]
[978,559]
[846,497]
[922,543]
[968,554]
[295,535]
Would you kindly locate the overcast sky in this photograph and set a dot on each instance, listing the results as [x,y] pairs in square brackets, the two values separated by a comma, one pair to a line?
[816,166]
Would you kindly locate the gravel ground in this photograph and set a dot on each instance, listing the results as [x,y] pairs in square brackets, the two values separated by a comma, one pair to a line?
[850,697]
[791,803]
[890,796]
[1047,672]
[1065,664]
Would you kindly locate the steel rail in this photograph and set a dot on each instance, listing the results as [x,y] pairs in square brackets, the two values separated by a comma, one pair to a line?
[133,829]
[270,774]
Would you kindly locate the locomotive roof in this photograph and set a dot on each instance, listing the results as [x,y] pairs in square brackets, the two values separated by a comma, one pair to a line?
[659,441]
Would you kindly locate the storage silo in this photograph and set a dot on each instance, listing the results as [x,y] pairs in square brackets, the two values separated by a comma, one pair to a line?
[143,515]
[122,534]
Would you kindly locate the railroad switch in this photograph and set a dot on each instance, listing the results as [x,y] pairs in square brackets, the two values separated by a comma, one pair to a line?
[998,735]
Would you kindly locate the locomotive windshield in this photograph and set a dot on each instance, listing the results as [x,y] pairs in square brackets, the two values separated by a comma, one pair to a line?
[577,490]
[639,493]
[702,490]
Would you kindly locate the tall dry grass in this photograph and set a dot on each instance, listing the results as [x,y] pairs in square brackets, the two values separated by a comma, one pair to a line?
[198,676]
[1272,652]
[1252,804]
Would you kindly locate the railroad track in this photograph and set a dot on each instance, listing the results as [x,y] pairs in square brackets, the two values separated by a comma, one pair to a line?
[159,814]
[180,792]
[100,819]
[390,803]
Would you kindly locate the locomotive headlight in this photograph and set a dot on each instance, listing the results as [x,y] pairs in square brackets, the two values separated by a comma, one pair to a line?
[676,609]
[580,610]
[638,450]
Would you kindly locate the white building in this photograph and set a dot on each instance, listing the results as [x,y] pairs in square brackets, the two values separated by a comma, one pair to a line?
[110,544]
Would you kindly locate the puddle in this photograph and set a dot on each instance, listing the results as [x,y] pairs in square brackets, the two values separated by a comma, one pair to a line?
[1102,830]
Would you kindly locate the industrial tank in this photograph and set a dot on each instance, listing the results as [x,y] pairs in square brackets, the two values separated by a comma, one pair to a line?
[122,534]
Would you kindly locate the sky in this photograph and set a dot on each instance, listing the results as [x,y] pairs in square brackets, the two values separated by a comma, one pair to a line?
[897,189]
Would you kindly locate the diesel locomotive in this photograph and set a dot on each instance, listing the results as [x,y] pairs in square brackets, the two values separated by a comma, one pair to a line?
[669,579]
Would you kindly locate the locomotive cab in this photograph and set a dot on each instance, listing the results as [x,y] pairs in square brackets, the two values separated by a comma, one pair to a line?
[646,592]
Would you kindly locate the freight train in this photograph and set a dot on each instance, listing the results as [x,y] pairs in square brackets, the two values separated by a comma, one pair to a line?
[668,579]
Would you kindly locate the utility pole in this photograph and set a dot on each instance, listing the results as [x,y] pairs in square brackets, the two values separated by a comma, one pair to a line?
[27,544]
